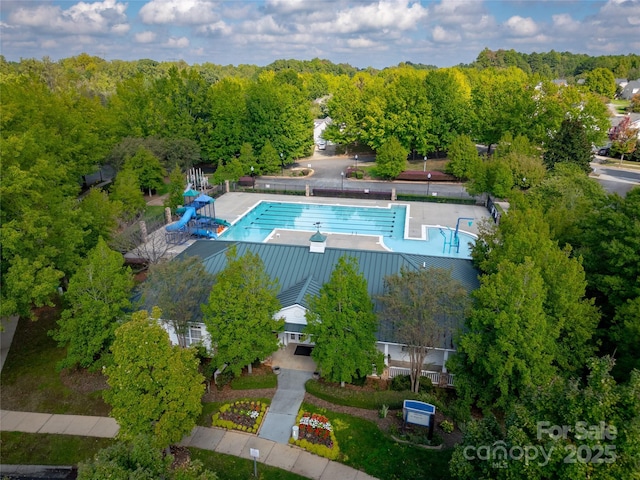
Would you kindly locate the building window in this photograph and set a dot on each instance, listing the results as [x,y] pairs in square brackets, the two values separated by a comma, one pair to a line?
[194,336]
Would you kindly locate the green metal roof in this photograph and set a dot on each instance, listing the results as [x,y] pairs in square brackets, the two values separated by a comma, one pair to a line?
[300,272]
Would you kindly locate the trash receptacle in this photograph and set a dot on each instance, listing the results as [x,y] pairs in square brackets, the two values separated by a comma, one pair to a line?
[295,430]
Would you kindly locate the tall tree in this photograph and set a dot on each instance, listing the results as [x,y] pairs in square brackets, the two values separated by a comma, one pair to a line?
[178,287]
[506,347]
[342,323]
[569,144]
[464,161]
[391,159]
[424,308]
[148,169]
[601,81]
[155,387]
[101,216]
[126,192]
[96,301]
[449,94]
[242,326]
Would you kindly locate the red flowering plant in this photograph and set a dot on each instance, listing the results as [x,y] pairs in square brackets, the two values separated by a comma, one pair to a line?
[315,433]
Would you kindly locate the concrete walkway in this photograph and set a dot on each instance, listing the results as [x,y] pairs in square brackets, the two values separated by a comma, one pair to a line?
[284,456]
[284,405]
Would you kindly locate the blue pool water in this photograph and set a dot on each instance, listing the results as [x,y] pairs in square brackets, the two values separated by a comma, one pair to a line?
[386,223]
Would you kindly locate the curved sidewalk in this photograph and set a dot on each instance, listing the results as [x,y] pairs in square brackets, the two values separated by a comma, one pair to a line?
[284,456]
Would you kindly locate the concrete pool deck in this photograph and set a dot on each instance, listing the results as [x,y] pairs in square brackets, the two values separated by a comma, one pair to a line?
[232,206]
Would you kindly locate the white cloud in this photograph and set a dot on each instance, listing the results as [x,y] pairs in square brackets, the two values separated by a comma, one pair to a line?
[145,37]
[361,43]
[521,27]
[121,28]
[82,18]
[385,14]
[181,42]
[441,35]
[565,22]
[179,12]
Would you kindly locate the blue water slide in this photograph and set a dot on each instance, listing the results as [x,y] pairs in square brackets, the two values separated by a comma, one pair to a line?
[203,233]
[188,214]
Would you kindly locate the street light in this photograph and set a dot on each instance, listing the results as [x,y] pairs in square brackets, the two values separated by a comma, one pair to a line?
[428,182]
[342,177]
[253,179]
[424,169]
[356,165]
[282,162]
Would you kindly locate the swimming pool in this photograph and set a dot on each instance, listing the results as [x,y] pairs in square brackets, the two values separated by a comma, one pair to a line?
[387,223]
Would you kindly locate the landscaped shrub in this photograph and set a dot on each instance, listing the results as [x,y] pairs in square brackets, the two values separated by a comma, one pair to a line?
[402,383]
[316,435]
[243,415]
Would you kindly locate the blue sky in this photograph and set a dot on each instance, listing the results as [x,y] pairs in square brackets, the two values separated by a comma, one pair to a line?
[362,33]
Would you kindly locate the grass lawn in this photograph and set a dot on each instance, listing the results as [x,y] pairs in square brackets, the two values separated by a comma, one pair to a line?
[47,449]
[228,467]
[30,381]
[258,379]
[621,105]
[365,447]
[372,400]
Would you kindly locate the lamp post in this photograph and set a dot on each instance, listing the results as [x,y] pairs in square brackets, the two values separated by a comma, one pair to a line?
[356,165]
[253,179]
[342,179]
[282,162]
[428,182]
[424,168]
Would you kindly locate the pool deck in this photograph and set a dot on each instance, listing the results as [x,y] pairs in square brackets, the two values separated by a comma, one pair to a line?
[232,206]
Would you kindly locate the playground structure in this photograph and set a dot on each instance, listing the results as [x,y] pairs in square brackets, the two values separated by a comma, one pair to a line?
[198,219]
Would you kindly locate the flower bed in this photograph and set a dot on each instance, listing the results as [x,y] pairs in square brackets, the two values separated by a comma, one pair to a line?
[316,435]
[243,415]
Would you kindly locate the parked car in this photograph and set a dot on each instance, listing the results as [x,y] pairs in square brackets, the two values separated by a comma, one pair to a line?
[604,151]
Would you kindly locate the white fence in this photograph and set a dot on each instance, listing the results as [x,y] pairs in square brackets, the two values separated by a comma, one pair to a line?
[433,376]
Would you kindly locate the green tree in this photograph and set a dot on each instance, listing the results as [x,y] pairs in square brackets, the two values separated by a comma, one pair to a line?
[506,348]
[342,324]
[391,159]
[228,116]
[138,459]
[523,236]
[100,214]
[569,144]
[601,421]
[126,192]
[155,387]
[148,169]
[601,81]
[242,326]
[464,161]
[424,307]
[247,159]
[96,300]
[178,287]
[176,189]
[449,94]
[268,160]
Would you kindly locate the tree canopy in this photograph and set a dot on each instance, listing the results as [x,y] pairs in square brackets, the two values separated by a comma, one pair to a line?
[240,312]
[155,387]
[342,324]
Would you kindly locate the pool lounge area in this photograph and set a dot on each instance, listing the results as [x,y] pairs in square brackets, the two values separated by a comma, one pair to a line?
[386,225]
